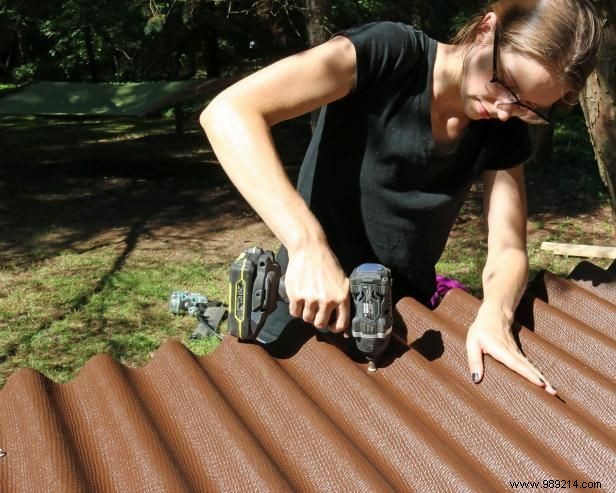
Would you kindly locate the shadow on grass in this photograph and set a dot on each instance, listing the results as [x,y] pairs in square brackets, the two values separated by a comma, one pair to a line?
[65,182]
[83,299]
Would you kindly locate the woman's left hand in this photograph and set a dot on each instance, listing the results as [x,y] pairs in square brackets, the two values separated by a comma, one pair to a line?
[491,334]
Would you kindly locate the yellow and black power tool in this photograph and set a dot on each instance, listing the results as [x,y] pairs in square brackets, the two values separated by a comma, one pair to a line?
[257,291]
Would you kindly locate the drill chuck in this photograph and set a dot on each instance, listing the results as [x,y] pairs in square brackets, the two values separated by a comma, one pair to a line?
[181,302]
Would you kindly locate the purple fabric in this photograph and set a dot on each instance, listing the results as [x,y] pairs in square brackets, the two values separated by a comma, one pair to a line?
[444,284]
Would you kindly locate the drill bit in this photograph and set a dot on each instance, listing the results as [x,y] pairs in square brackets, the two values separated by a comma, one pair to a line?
[371,366]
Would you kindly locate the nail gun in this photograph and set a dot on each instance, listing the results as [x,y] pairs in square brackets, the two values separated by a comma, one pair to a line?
[256,288]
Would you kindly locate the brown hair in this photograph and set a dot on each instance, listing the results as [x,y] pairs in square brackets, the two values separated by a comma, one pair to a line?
[562,35]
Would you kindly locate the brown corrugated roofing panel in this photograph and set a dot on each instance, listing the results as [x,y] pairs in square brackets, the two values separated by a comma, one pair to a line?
[595,279]
[306,415]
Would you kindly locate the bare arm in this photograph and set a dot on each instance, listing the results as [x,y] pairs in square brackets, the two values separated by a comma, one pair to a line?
[237,124]
[506,270]
[504,276]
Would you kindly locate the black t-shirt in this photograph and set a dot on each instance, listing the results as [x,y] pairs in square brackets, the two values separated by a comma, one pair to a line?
[371,175]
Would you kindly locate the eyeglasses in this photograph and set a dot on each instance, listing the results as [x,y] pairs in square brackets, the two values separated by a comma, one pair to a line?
[514,106]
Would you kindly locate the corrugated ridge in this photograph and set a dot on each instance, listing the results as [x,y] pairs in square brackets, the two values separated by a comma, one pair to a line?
[87,430]
[306,415]
[562,438]
[117,427]
[40,452]
[202,429]
[577,302]
[116,424]
[595,279]
[592,348]
[298,434]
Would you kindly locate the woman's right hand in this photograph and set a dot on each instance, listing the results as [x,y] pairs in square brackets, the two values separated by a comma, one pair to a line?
[317,287]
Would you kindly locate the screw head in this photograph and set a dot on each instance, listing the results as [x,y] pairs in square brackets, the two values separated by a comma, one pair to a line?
[2,453]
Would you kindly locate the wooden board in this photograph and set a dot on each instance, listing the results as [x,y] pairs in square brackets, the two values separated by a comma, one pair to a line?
[580,250]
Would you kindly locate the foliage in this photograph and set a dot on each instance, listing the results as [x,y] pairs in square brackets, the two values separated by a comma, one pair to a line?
[174,39]
[108,40]
[24,73]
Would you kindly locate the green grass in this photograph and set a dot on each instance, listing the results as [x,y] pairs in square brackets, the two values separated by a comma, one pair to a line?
[60,312]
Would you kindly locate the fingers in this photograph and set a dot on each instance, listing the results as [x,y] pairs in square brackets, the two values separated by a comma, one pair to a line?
[498,342]
[331,315]
[317,287]
[321,315]
[313,312]
[343,313]
[310,311]
[475,360]
[296,307]
[518,363]
[542,380]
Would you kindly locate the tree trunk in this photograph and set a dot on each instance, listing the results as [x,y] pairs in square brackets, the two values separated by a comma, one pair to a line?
[6,64]
[87,30]
[599,102]
[316,19]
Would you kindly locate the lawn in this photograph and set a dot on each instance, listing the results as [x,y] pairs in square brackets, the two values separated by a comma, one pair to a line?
[101,219]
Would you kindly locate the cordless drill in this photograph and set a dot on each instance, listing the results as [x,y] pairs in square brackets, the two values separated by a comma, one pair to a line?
[256,288]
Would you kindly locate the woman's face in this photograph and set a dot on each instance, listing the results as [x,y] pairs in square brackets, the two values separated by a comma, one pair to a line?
[517,76]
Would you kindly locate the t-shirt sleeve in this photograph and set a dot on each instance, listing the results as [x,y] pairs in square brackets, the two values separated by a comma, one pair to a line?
[385,51]
[509,145]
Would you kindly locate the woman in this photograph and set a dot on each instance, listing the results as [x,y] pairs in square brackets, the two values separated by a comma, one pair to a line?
[406,125]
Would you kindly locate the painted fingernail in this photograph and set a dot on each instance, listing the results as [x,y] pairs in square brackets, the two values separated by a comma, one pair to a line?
[475,377]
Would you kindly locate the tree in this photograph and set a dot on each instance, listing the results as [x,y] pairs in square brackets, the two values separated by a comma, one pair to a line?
[599,102]
[317,12]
